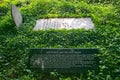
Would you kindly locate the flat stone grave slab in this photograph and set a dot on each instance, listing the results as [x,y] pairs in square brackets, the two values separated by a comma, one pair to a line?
[16,15]
[64,60]
[66,23]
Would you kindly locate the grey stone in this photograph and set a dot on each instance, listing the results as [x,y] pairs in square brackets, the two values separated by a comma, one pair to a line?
[17,17]
[67,23]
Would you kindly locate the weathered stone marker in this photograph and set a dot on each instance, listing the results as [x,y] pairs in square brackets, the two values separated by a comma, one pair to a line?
[63,60]
[17,17]
[67,23]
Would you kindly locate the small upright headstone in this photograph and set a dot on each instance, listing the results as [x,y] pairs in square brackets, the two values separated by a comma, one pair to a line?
[17,17]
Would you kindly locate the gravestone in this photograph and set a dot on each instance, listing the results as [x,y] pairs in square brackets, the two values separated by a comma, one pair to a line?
[17,17]
[67,23]
[64,60]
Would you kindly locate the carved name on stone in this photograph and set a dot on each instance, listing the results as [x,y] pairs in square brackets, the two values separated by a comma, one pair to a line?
[67,23]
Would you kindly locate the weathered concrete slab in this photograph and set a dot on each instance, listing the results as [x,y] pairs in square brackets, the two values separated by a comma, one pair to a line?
[67,23]
[17,17]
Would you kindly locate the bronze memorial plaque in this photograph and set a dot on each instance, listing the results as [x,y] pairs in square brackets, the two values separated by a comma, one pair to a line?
[63,60]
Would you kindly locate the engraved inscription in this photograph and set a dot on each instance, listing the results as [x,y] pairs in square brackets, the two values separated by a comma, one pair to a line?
[67,23]
[65,60]
[62,60]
